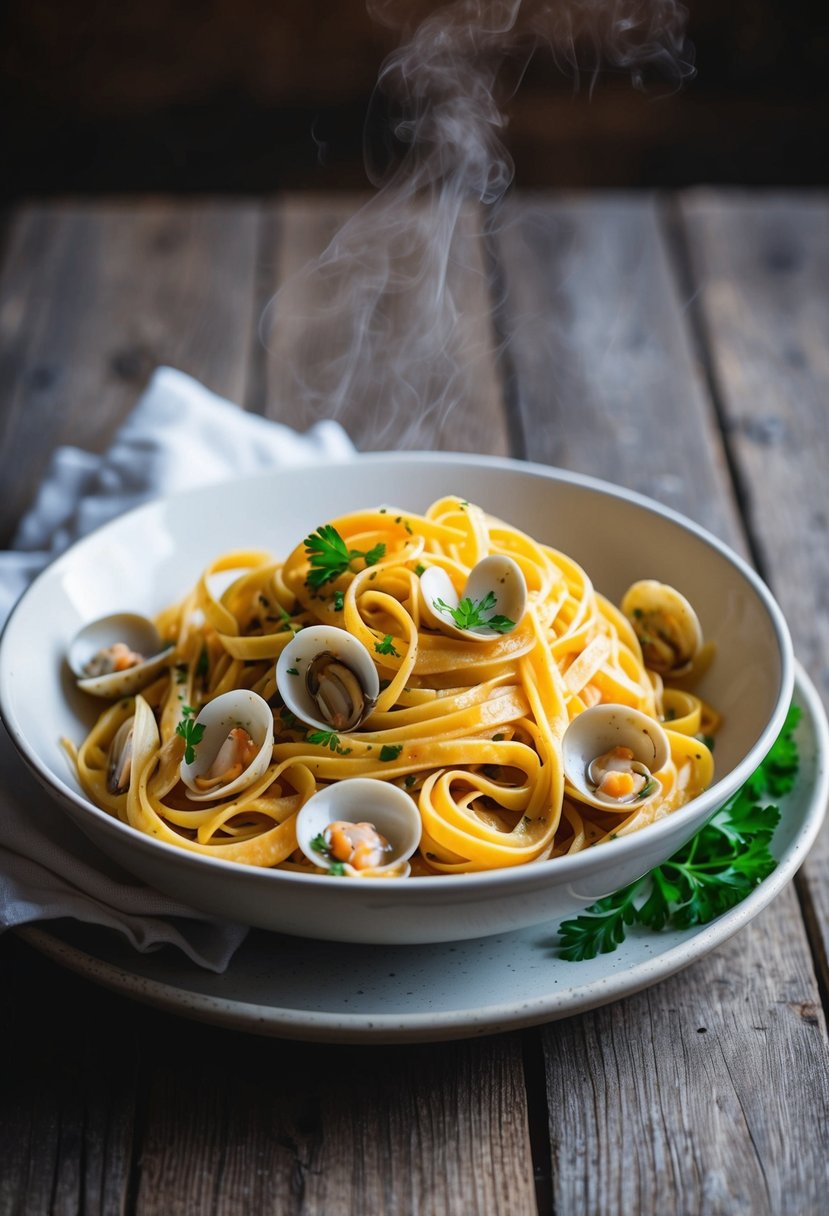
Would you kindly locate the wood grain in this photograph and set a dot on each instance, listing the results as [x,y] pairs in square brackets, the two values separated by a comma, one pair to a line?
[426,378]
[335,1130]
[602,380]
[763,273]
[93,298]
[654,1103]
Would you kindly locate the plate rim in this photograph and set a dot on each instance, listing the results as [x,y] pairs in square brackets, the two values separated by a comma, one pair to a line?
[310,1026]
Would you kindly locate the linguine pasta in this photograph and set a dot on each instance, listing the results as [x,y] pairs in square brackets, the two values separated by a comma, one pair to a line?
[471,730]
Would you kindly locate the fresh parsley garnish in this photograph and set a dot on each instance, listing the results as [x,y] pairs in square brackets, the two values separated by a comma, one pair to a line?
[191,732]
[471,613]
[390,751]
[339,601]
[291,671]
[330,556]
[713,872]
[327,738]
[419,569]
[387,646]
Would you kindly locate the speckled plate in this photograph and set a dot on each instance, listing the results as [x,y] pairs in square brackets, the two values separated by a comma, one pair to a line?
[300,989]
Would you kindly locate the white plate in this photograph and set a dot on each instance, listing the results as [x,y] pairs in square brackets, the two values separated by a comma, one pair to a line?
[299,989]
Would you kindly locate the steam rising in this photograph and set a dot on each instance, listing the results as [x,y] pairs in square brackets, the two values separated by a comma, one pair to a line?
[376,319]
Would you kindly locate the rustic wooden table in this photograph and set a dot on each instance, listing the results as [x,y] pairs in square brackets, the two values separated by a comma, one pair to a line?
[677,346]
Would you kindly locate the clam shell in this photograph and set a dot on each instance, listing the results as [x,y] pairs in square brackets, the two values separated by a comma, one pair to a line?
[297,657]
[241,707]
[498,574]
[119,758]
[594,732]
[362,800]
[660,612]
[137,632]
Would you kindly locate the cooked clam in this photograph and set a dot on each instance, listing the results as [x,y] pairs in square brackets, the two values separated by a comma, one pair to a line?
[116,656]
[234,748]
[119,758]
[360,827]
[611,754]
[327,678]
[666,625]
[492,603]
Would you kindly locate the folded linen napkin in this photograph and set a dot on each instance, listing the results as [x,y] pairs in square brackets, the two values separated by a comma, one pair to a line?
[179,436]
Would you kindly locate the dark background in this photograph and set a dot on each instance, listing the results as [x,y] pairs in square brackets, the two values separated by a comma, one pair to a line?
[253,95]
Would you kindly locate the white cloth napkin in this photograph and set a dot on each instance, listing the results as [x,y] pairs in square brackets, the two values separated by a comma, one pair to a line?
[179,436]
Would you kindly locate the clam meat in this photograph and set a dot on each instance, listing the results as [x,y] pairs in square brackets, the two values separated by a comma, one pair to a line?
[327,678]
[118,655]
[360,827]
[666,625]
[611,755]
[493,600]
[230,746]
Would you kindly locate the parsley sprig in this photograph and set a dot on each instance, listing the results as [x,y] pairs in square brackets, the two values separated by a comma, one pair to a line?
[471,613]
[191,732]
[713,872]
[330,556]
[329,739]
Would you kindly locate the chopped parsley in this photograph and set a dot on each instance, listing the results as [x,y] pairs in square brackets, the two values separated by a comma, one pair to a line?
[329,556]
[191,732]
[327,738]
[339,601]
[419,569]
[390,751]
[291,671]
[713,872]
[469,613]
[387,646]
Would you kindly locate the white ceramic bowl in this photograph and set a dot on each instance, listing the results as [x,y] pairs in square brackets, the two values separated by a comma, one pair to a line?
[150,556]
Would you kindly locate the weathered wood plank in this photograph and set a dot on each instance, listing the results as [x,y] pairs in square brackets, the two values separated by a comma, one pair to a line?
[762,265]
[602,378]
[646,1112]
[68,1098]
[335,1130]
[94,297]
[433,382]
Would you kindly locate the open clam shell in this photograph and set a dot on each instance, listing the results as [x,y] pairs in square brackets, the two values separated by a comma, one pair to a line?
[239,710]
[361,800]
[666,625]
[496,583]
[593,735]
[92,647]
[327,678]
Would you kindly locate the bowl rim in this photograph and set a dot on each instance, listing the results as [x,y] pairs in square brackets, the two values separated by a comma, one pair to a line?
[568,865]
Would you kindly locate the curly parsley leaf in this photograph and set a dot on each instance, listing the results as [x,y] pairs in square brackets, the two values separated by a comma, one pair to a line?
[470,613]
[329,556]
[329,739]
[710,874]
[191,732]
[387,646]
[390,751]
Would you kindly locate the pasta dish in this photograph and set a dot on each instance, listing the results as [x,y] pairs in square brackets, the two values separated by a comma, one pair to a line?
[472,675]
